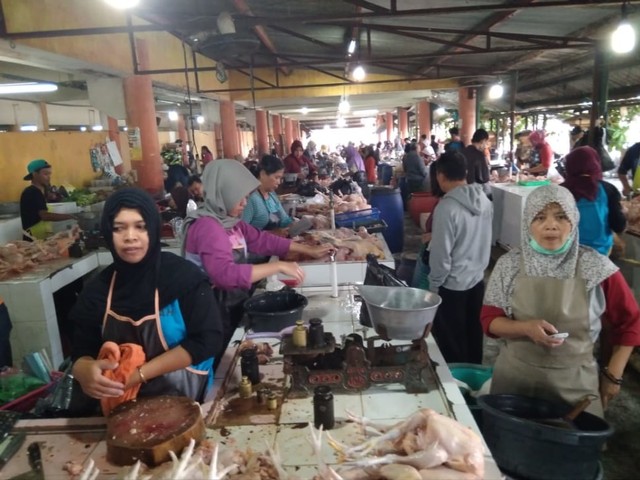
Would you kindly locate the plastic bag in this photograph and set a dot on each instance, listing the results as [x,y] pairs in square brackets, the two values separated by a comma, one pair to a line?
[379,275]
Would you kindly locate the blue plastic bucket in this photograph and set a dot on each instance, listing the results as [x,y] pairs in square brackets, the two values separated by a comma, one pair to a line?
[385,172]
[389,202]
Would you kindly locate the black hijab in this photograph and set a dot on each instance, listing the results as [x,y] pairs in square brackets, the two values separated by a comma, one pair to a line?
[136,283]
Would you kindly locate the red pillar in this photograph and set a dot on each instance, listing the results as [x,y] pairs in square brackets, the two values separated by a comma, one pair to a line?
[276,125]
[230,146]
[389,122]
[262,133]
[403,122]
[467,113]
[114,136]
[288,133]
[424,118]
[218,146]
[141,114]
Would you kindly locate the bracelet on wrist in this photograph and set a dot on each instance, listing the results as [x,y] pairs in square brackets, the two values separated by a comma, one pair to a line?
[605,371]
[142,378]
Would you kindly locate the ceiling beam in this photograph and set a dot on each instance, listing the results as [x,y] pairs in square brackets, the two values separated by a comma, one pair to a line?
[495,7]
[262,34]
[587,71]
[491,21]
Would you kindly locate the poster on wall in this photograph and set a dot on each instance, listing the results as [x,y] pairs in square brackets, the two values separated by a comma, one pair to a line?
[112,148]
[135,145]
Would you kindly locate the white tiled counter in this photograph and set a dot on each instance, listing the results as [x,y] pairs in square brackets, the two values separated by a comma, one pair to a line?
[508,205]
[29,298]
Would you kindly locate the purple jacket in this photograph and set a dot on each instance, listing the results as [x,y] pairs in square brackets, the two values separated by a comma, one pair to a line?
[210,246]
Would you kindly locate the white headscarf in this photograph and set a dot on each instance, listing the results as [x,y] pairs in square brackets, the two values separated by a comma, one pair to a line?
[225,184]
[593,268]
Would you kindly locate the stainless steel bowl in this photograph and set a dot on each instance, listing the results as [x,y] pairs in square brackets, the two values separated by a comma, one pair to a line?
[400,313]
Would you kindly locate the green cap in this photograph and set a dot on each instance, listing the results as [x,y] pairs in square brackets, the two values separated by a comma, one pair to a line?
[34,166]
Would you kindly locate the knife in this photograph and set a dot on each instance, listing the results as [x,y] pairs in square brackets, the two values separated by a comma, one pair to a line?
[35,462]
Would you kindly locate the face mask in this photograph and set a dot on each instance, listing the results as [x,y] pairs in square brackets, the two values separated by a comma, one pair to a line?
[540,249]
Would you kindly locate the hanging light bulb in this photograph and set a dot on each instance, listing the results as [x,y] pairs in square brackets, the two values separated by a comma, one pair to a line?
[304,110]
[359,73]
[200,119]
[173,115]
[496,91]
[623,38]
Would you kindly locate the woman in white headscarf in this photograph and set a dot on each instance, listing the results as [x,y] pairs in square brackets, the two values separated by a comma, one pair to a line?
[548,299]
[218,241]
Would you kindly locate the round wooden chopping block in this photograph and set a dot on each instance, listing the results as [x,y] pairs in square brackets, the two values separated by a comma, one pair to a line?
[148,428]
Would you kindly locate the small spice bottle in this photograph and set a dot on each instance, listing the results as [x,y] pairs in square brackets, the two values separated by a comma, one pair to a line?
[261,395]
[316,333]
[245,388]
[249,365]
[299,335]
[323,408]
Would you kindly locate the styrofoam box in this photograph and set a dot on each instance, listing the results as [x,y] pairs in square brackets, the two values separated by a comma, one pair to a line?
[319,273]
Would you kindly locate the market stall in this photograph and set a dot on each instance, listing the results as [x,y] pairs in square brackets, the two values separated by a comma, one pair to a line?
[249,428]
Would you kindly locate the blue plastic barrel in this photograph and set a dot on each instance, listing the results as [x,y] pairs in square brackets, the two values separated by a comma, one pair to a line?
[389,201]
[404,191]
[385,172]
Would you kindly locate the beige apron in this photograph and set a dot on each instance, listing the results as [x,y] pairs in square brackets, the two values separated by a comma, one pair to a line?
[564,373]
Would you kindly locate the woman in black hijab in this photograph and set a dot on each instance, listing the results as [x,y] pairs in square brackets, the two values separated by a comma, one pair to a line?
[147,297]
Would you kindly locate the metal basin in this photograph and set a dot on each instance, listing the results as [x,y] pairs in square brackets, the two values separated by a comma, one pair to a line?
[400,313]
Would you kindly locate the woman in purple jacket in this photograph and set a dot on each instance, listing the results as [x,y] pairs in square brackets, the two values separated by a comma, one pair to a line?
[218,241]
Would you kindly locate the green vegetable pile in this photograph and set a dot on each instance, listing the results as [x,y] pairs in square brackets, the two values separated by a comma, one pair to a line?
[83,197]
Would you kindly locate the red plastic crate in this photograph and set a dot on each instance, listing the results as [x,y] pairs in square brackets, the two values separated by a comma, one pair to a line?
[27,401]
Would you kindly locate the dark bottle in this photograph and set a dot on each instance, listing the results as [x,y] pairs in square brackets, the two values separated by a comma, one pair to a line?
[249,365]
[323,408]
[316,333]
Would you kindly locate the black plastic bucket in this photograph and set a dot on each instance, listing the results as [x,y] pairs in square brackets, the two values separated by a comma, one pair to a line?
[529,450]
[273,311]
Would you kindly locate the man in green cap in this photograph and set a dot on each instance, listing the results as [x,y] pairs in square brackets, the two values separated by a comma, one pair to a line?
[33,203]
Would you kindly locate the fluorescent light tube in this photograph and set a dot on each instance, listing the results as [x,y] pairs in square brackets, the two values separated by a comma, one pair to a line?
[29,87]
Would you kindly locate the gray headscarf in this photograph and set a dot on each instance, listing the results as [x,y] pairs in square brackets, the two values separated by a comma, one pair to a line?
[225,183]
[594,268]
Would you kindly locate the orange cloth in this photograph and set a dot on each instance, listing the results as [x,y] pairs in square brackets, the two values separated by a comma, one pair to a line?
[129,357]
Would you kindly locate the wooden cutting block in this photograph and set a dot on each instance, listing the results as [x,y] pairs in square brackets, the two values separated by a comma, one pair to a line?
[148,428]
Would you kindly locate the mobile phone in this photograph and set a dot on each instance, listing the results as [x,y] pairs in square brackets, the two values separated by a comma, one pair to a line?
[559,335]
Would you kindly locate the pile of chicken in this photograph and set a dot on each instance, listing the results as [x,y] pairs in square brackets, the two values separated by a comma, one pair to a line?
[341,204]
[19,256]
[425,446]
[349,245]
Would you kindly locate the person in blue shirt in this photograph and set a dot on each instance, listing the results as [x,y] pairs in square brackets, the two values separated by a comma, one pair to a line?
[628,164]
[598,201]
[264,210]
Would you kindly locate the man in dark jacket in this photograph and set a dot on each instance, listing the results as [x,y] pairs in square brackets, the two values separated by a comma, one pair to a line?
[477,168]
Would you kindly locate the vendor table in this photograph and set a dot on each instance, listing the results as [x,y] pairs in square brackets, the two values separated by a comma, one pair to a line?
[80,439]
[508,205]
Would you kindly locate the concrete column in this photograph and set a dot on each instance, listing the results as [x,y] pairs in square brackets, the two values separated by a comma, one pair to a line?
[297,135]
[288,134]
[389,121]
[230,145]
[467,113]
[403,122]
[424,118]
[276,121]
[141,114]
[218,146]
[262,134]
[114,136]
[379,122]
[44,116]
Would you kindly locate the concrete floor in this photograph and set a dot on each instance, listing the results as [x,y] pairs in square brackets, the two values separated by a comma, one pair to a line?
[621,460]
